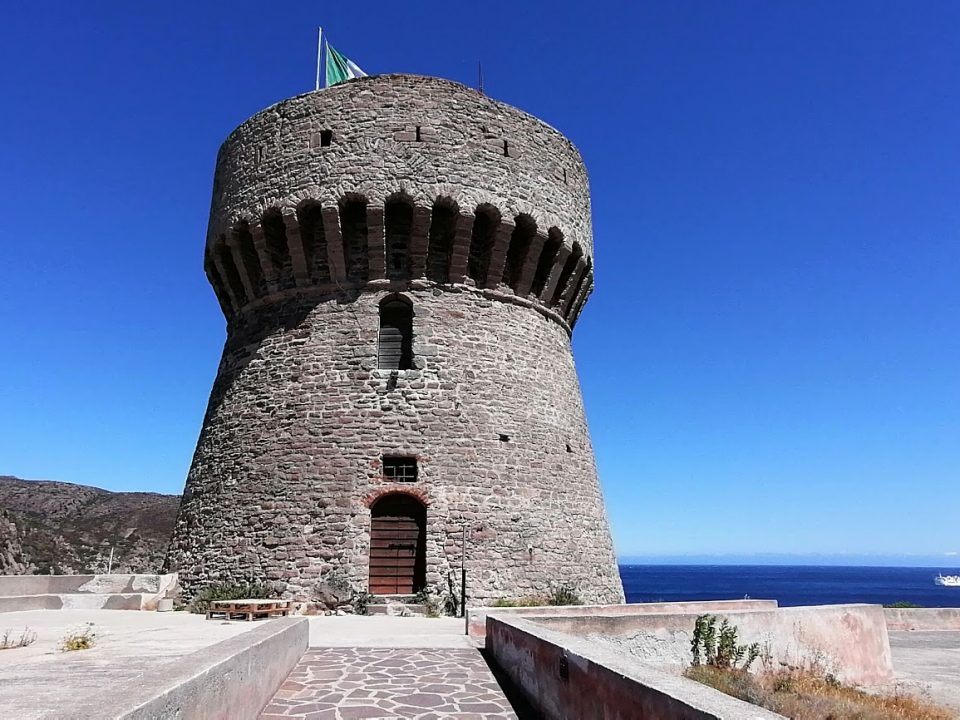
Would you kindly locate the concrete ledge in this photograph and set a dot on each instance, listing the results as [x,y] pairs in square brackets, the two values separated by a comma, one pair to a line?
[84,601]
[149,588]
[922,618]
[232,680]
[600,683]
[477,617]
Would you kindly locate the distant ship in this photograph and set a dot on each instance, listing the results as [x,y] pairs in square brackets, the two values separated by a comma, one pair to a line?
[947,580]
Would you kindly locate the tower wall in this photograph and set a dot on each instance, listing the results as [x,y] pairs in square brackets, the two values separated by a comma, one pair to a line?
[493,249]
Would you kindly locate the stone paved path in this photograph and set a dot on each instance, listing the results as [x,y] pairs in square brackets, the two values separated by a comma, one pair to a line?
[389,683]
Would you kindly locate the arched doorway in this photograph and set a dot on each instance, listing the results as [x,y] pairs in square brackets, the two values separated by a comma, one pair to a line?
[398,563]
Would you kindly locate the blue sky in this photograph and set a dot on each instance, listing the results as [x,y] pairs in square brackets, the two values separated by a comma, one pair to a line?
[771,360]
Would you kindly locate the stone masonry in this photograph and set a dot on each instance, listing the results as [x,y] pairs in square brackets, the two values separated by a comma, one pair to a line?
[478,216]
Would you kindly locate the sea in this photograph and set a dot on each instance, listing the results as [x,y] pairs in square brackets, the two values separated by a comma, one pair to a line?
[789,585]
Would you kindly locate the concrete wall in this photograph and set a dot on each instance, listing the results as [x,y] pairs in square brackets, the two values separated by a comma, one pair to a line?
[77,601]
[108,592]
[232,680]
[11,585]
[922,618]
[850,641]
[600,683]
[476,618]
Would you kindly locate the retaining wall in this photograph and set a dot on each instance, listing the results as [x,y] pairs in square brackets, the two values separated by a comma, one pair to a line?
[569,678]
[922,618]
[850,641]
[232,680]
[89,601]
[476,618]
[89,592]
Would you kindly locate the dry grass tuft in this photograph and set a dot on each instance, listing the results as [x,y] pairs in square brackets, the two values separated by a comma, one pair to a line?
[10,640]
[83,638]
[810,695]
[531,601]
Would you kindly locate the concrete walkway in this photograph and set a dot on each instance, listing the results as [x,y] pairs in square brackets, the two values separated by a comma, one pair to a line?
[40,680]
[385,631]
[416,683]
[393,667]
[928,664]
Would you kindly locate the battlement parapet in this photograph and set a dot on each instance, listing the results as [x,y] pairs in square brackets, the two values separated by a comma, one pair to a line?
[399,178]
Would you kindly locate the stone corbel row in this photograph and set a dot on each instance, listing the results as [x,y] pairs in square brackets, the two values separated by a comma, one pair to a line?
[305,248]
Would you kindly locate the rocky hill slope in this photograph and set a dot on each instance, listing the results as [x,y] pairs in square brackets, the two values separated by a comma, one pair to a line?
[69,528]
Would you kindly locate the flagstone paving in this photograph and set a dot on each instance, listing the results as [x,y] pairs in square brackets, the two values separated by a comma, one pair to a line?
[388,683]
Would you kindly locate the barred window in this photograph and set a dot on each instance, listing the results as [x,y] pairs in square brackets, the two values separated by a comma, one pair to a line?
[400,469]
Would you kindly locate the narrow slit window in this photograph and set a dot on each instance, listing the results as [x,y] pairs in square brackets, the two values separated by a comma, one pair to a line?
[506,149]
[419,139]
[400,469]
[395,351]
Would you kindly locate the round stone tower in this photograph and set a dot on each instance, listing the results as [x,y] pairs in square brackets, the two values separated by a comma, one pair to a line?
[400,261]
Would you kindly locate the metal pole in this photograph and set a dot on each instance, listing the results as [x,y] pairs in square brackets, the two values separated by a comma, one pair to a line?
[319,49]
[110,562]
[463,574]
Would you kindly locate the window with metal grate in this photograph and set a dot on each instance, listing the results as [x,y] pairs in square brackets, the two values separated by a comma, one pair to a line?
[400,469]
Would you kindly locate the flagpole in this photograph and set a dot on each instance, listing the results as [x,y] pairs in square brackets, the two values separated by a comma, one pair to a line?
[319,50]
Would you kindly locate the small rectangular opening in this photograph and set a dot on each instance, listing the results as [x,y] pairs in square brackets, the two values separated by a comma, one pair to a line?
[506,149]
[400,469]
[418,134]
[326,137]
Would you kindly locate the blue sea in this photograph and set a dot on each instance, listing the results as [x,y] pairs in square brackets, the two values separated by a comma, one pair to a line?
[789,585]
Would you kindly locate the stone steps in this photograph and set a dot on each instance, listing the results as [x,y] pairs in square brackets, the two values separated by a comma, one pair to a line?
[397,608]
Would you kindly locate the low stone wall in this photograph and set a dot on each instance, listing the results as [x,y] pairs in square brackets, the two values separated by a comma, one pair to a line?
[476,618]
[232,680]
[108,592]
[850,641]
[922,618]
[569,678]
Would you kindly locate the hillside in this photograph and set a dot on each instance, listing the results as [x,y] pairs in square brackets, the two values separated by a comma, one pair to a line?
[71,528]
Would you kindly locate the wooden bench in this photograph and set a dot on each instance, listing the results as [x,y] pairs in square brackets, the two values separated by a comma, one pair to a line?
[248,609]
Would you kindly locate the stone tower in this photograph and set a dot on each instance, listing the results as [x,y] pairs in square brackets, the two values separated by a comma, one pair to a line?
[400,261]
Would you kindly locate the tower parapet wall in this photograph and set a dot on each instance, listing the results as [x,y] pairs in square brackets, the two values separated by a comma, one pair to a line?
[400,179]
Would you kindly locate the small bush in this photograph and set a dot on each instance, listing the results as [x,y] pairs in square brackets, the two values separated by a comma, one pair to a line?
[10,640]
[361,602]
[83,638]
[564,595]
[229,591]
[903,605]
[720,650]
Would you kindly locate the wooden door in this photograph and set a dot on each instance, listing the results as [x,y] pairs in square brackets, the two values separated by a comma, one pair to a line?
[397,546]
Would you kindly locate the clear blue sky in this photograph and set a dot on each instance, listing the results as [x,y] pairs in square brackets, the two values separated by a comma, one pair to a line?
[771,361]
